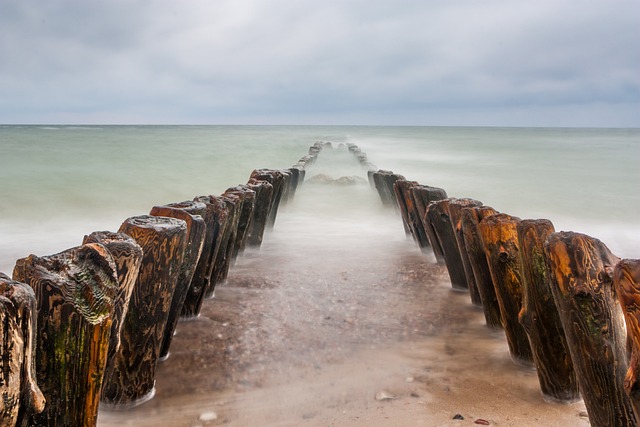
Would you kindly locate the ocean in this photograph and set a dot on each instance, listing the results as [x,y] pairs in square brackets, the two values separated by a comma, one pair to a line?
[59,183]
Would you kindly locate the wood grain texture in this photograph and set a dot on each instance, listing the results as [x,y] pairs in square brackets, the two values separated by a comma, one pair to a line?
[276,179]
[423,195]
[470,224]
[408,212]
[196,233]
[264,195]
[20,396]
[500,238]
[580,268]
[248,204]
[540,317]
[74,290]
[163,242]
[626,279]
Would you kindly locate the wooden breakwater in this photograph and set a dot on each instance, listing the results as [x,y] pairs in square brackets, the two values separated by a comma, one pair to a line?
[568,306]
[88,326]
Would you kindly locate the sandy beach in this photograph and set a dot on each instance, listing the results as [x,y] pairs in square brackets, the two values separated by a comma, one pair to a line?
[363,333]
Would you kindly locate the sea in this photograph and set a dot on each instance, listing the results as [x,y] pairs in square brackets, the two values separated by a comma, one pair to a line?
[58,183]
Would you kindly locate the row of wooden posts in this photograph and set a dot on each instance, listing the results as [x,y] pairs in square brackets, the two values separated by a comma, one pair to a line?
[90,324]
[568,306]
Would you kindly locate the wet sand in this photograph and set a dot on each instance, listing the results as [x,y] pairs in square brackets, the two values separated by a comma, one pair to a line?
[346,326]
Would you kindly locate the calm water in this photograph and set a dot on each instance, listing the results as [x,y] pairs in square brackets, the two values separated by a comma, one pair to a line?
[59,183]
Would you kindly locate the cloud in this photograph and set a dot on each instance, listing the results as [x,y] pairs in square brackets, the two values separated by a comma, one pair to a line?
[283,61]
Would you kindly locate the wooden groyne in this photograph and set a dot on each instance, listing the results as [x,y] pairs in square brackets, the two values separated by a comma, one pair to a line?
[86,328]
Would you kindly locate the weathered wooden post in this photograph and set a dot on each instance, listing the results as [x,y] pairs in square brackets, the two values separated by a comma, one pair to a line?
[383,190]
[401,191]
[276,179]
[163,242]
[541,318]
[500,238]
[580,268]
[74,292]
[224,257]
[248,204]
[438,215]
[127,256]
[20,396]
[470,223]
[626,279]
[264,195]
[196,233]
[422,196]
[455,215]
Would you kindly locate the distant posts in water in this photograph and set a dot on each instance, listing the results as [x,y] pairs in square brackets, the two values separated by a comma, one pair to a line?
[163,242]
[500,237]
[196,233]
[74,292]
[580,269]
[19,392]
[541,318]
[626,279]
[470,224]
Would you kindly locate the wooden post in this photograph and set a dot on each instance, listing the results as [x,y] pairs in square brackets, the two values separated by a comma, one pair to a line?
[74,291]
[401,191]
[438,215]
[541,318]
[247,197]
[500,238]
[455,215]
[422,196]
[163,242]
[127,255]
[626,279]
[470,222]
[264,195]
[196,233]
[224,258]
[276,179]
[383,190]
[580,268]
[20,396]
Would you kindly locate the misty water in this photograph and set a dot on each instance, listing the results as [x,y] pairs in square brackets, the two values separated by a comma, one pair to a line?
[338,304]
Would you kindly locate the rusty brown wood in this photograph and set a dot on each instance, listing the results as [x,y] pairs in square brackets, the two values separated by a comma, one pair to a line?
[402,192]
[74,291]
[500,237]
[580,270]
[541,318]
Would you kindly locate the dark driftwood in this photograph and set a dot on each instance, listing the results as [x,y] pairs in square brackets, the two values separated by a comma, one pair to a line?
[500,238]
[163,242]
[470,220]
[580,268]
[626,279]
[422,196]
[127,255]
[74,291]
[455,215]
[20,397]
[196,233]
[248,203]
[264,195]
[438,216]
[402,191]
[541,318]
[216,216]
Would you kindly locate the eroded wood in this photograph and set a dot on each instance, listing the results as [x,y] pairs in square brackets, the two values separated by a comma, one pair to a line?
[264,195]
[423,195]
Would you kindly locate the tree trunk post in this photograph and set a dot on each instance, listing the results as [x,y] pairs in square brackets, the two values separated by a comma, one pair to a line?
[163,242]
[455,214]
[438,216]
[541,318]
[470,222]
[580,268]
[264,195]
[74,291]
[626,279]
[196,233]
[20,396]
[500,237]
[423,195]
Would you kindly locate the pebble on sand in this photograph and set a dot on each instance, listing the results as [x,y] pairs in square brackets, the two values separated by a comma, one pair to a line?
[208,416]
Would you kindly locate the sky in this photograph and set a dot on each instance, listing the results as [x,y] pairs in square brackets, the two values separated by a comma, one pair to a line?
[334,62]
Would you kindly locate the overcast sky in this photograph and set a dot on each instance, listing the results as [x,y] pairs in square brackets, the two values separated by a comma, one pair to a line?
[405,62]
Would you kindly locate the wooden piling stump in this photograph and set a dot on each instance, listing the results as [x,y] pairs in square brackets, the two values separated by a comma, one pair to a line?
[580,268]
[264,194]
[541,318]
[500,238]
[626,279]
[248,204]
[74,291]
[276,179]
[224,257]
[196,234]
[386,196]
[423,195]
[455,215]
[20,396]
[163,242]
[470,220]
[401,191]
